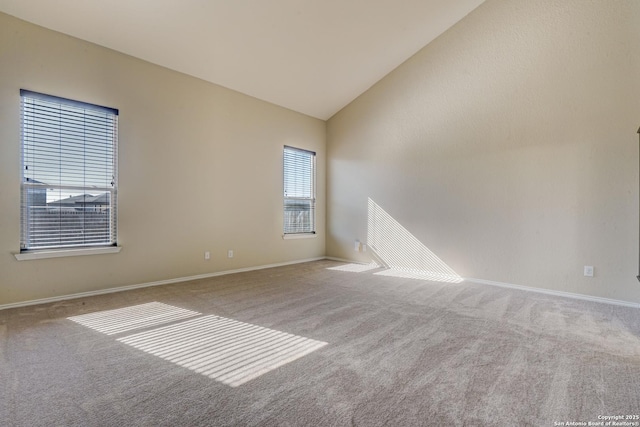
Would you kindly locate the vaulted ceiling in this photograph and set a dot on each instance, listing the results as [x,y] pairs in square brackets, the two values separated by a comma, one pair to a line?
[311,56]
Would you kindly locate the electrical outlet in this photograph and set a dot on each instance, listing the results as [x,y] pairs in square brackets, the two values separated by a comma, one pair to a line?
[230,253]
[356,246]
[588,270]
[207,255]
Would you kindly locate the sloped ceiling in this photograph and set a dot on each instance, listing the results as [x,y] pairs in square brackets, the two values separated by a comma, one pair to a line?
[311,56]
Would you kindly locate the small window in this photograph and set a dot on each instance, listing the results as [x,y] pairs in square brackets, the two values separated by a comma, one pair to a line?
[299,191]
[69,176]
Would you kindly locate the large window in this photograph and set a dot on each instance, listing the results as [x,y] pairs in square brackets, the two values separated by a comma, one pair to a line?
[69,173]
[299,191]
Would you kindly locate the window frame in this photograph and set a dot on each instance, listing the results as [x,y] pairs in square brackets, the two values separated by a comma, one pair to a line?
[312,198]
[33,117]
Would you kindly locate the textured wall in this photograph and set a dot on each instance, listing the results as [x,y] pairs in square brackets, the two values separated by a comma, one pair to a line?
[200,168]
[507,147]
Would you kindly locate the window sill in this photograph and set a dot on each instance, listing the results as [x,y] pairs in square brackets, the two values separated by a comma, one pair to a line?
[27,256]
[299,236]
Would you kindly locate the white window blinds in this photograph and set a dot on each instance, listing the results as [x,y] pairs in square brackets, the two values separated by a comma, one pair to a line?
[299,191]
[69,185]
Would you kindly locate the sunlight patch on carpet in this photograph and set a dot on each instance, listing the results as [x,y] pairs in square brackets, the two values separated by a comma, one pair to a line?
[420,275]
[355,268]
[226,350]
[112,322]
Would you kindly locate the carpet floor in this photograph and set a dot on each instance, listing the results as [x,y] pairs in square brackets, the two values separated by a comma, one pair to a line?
[314,344]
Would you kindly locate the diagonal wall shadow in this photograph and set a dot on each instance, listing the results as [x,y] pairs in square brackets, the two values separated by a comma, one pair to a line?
[401,252]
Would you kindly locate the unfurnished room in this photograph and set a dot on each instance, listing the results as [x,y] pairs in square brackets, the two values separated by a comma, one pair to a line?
[320,213]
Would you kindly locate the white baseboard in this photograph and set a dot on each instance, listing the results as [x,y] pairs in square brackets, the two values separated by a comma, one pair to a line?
[281,264]
[555,293]
[149,284]
[530,289]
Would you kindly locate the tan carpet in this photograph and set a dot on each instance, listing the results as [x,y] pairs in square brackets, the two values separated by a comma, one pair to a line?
[307,345]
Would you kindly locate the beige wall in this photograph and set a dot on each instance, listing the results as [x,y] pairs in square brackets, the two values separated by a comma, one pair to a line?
[508,147]
[200,168]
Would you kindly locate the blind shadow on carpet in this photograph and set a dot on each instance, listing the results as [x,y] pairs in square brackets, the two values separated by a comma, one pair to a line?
[222,349]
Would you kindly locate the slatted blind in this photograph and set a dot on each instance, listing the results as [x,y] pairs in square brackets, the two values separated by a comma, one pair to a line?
[69,185]
[299,191]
